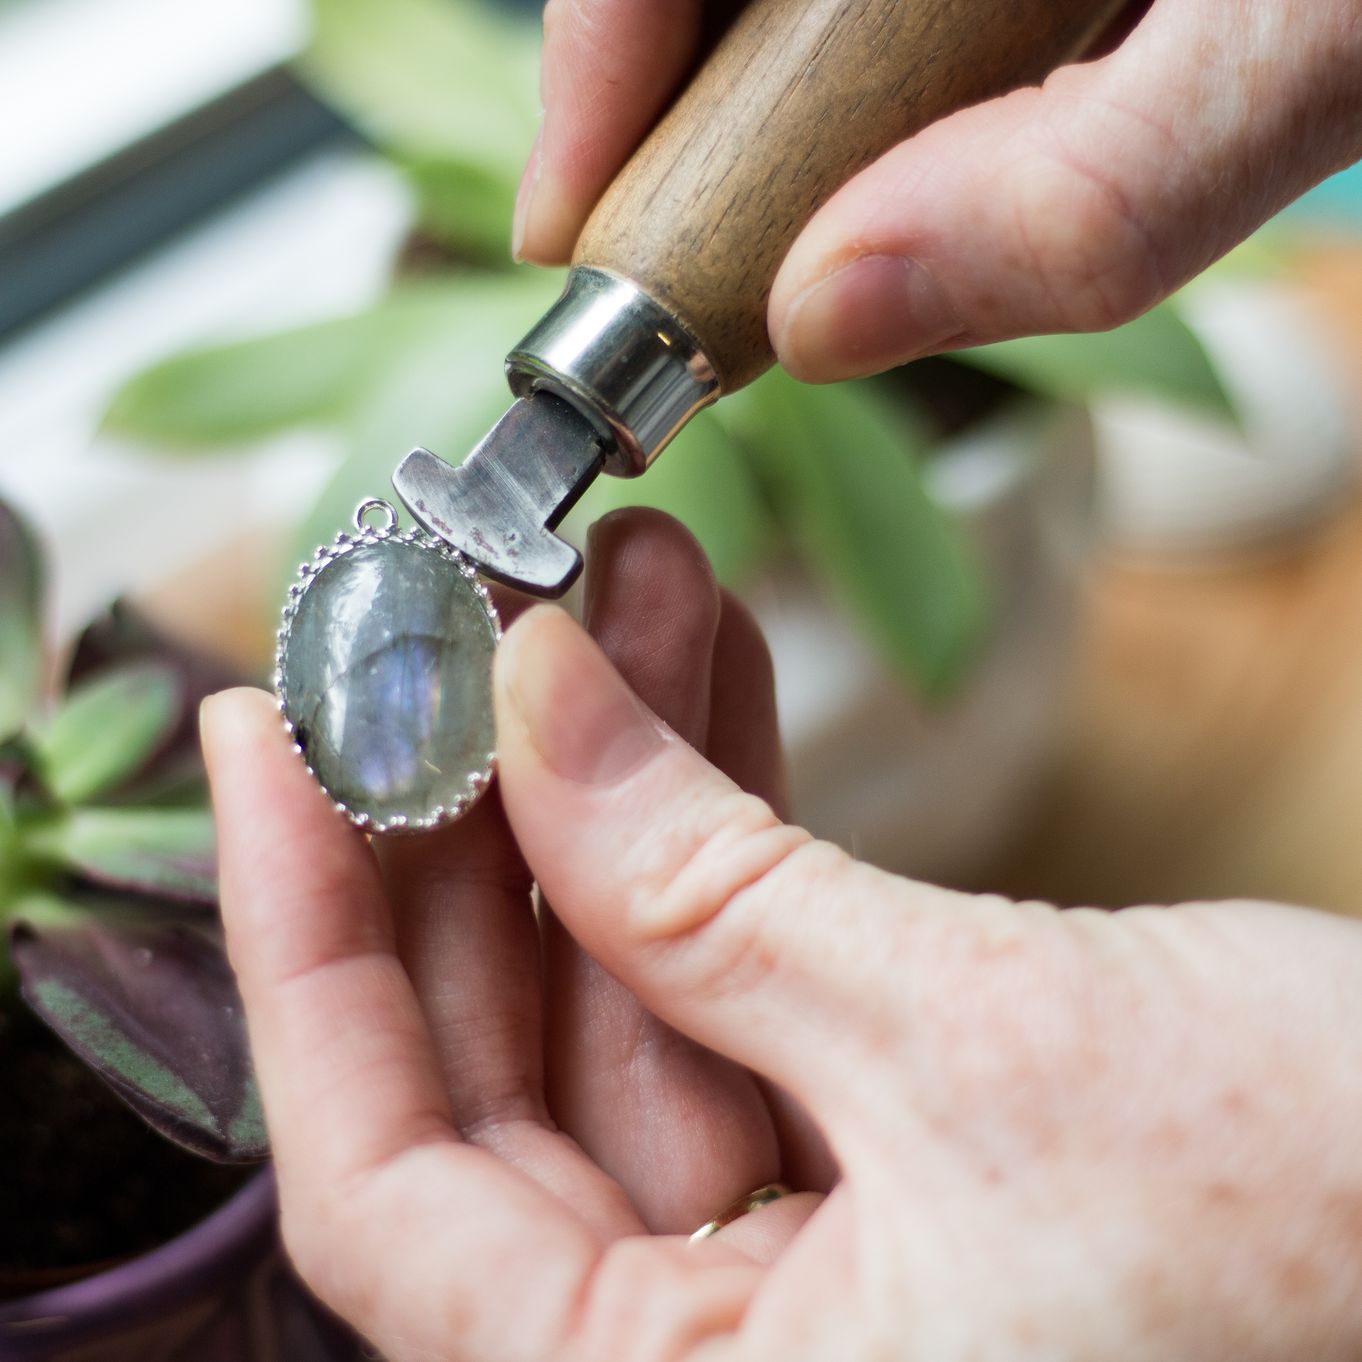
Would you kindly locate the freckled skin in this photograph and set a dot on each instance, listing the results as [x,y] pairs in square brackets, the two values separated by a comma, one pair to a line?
[1044,1136]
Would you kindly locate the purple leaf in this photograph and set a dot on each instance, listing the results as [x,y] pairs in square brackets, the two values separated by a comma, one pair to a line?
[21,644]
[144,994]
[121,635]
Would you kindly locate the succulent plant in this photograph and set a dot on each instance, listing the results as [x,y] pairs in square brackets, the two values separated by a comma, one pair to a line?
[107,881]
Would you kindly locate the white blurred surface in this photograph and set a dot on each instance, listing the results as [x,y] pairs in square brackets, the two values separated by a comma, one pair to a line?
[79,79]
[316,242]
[937,790]
[1178,486]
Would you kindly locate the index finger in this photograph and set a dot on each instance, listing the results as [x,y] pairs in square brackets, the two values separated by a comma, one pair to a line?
[312,943]
[385,1209]
[609,68]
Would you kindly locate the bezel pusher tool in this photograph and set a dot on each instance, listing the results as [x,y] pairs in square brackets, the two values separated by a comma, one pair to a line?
[602,383]
[666,306]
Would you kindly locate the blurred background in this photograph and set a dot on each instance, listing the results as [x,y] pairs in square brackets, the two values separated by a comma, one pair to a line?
[1074,618]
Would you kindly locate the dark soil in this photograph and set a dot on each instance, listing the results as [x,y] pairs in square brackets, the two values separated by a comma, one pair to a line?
[82,1181]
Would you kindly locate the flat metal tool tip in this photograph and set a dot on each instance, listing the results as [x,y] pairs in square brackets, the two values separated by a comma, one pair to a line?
[500,506]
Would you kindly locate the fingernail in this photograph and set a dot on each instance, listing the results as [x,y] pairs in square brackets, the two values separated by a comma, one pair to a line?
[239,706]
[524,197]
[592,588]
[584,722]
[214,711]
[867,316]
[599,552]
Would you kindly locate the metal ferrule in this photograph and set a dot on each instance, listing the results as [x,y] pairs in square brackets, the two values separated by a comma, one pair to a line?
[620,358]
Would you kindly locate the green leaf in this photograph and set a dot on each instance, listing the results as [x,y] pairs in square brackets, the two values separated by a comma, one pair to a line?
[121,636]
[447,87]
[705,482]
[21,640]
[106,729]
[465,206]
[204,398]
[329,373]
[841,469]
[443,78]
[1156,354]
[310,375]
[169,852]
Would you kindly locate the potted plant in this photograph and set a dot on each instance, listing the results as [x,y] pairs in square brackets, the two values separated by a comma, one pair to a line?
[940,510]
[122,1035]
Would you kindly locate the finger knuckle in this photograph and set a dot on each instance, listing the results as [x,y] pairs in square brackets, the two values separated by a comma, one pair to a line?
[1088,242]
[728,848]
[651,1301]
[629,1273]
[311,1235]
[717,908]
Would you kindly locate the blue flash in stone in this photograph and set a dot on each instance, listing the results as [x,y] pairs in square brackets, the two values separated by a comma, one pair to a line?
[385,676]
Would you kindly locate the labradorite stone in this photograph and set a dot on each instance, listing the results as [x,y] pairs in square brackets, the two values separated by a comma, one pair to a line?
[387,680]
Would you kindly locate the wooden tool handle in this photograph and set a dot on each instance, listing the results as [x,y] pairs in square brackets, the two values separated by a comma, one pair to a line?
[799,96]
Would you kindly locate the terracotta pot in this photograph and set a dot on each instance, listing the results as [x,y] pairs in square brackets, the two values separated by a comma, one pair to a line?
[220,1292]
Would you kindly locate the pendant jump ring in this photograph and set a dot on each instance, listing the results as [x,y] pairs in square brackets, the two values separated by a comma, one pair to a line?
[375,504]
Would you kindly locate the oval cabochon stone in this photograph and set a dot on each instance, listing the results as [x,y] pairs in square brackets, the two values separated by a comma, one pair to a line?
[386,678]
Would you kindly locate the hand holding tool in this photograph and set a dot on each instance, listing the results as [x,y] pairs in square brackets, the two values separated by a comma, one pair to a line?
[665,306]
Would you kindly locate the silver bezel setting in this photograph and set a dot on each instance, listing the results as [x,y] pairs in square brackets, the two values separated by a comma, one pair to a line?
[308,573]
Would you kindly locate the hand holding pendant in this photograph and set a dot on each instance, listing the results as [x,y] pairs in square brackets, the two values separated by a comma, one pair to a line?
[1069,1135]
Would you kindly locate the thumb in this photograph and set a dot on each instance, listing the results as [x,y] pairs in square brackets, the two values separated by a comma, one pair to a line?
[739,930]
[1076,206]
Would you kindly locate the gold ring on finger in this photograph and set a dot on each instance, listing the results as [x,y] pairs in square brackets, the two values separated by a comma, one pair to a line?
[744,1205]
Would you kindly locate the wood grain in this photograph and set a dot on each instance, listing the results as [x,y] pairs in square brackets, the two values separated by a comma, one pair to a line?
[798,97]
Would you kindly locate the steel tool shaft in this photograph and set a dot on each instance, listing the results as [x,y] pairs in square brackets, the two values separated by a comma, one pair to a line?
[606,379]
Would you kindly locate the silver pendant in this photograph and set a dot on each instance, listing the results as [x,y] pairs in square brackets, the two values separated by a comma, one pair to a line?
[384,675]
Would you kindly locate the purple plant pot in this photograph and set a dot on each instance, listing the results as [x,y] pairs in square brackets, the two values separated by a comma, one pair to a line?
[220,1292]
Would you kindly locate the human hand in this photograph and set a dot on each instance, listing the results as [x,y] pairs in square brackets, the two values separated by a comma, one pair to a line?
[542,1058]
[1071,207]
[1061,1135]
